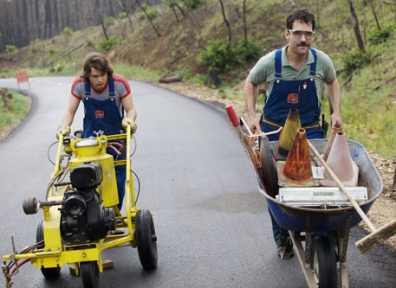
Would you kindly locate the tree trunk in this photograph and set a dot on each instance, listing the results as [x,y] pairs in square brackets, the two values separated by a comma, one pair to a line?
[356,26]
[227,23]
[56,18]
[47,22]
[375,15]
[148,18]
[37,20]
[244,23]
[127,11]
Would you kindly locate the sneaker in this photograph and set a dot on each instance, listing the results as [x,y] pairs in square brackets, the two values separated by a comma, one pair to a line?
[286,252]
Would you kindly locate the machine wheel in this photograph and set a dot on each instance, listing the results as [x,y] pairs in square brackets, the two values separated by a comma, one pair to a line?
[49,273]
[89,274]
[146,239]
[323,262]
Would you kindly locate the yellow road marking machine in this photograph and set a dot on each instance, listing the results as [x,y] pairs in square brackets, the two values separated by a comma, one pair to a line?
[80,215]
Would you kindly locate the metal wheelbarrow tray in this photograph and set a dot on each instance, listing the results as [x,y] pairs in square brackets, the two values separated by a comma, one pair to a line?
[327,230]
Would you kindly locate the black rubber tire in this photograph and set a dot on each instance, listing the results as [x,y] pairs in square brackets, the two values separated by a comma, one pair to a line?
[323,262]
[89,274]
[146,239]
[49,273]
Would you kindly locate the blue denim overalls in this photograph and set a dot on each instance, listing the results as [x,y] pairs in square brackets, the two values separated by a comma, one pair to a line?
[287,94]
[300,94]
[103,115]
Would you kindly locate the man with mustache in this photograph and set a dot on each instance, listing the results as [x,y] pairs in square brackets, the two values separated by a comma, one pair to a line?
[293,75]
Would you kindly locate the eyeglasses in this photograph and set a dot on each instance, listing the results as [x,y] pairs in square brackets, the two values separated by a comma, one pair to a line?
[298,34]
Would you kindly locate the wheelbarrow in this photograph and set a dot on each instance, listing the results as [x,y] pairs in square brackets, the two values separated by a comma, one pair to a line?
[80,215]
[323,225]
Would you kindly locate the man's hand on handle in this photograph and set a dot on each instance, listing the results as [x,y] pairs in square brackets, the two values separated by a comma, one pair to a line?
[127,121]
[254,125]
[63,130]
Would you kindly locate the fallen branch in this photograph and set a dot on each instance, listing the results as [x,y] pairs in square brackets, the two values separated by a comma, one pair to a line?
[170,79]
[387,81]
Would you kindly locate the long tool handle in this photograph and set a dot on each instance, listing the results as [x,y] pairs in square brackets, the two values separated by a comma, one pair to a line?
[342,188]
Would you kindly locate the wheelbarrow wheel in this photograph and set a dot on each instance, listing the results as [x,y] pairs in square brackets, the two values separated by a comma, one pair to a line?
[323,262]
[89,274]
[49,273]
[146,239]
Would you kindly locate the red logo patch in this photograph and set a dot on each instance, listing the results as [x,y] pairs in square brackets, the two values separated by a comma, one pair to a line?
[99,114]
[292,98]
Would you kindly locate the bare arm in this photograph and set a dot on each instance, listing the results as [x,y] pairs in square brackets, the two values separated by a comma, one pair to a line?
[250,94]
[71,110]
[333,91]
[130,110]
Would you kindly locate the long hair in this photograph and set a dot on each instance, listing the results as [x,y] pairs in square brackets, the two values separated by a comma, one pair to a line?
[301,15]
[97,61]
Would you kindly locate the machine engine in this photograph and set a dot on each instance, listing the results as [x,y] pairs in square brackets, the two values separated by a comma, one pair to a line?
[84,218]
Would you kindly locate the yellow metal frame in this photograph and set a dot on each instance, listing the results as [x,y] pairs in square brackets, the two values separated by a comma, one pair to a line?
[55,252]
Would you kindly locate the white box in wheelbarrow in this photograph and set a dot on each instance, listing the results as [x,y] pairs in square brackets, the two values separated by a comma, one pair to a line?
[320,196]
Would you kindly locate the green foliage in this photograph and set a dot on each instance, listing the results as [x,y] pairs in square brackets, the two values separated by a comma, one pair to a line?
[10,48]
[89,42]
[59,67]
[67,31]
[32,52]
[221,56]
[149,12]
[136,72]
[105,45]
[141,16]
[246,53]
[109,21]
[122,15]
[52,51]
[193,4]
[354,59]
[377,36]
[218,55]
[20,107]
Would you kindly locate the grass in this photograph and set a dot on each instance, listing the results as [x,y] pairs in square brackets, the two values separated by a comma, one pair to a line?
[19,108]
[368,101]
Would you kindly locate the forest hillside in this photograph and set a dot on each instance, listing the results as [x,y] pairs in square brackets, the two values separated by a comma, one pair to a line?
[192,38]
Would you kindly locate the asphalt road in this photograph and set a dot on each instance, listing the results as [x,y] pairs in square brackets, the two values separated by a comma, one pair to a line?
[212,224]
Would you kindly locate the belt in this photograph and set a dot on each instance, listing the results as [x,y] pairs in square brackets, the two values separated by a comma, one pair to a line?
[311,126]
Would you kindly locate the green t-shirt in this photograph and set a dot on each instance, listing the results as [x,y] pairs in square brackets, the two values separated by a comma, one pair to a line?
[264,70]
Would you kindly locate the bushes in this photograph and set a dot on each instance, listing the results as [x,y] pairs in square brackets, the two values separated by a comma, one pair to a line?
[10,48]
[377,36]
[354,59]
[67,31]
[221,55]
[105,44]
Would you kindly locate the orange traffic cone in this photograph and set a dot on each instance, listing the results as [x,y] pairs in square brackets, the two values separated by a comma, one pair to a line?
[298,164]
[341,163]
[288,133]
[337,128]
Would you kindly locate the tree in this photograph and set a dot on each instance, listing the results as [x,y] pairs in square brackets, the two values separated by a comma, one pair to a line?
[244,23]
[375,15]
[148,16]
[356,26]
[99,16]
[227,23]
[127,11]
[48,22]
